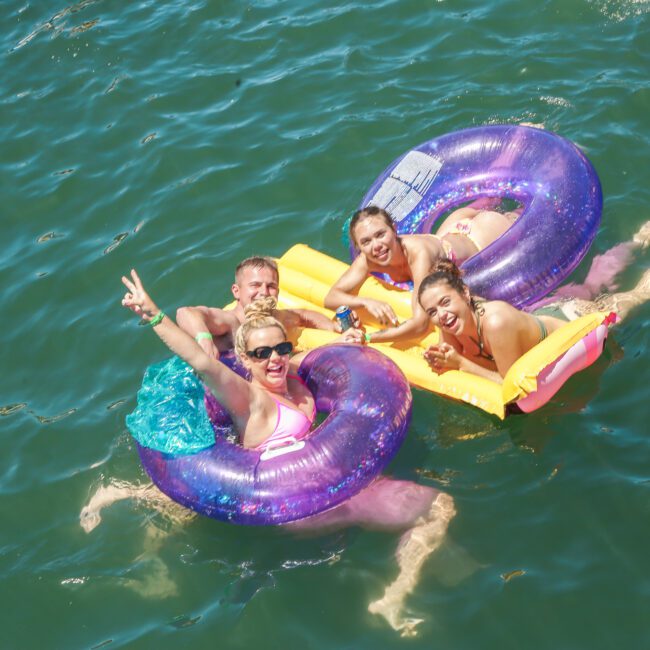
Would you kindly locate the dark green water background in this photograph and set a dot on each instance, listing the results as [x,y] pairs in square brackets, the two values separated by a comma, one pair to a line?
[179,137]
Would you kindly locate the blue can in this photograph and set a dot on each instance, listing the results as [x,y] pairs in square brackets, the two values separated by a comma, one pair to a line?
[344,317]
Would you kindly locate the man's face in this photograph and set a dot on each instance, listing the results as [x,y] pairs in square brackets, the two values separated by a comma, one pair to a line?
[255,283]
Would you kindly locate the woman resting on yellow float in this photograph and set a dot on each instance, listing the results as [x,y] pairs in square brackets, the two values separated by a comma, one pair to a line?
[487,338]
[406,259]
[307,275]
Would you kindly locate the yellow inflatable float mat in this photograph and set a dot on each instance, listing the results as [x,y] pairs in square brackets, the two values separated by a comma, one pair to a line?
[306,276]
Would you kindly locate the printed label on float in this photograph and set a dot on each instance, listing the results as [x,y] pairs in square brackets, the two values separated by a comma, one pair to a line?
[407,184]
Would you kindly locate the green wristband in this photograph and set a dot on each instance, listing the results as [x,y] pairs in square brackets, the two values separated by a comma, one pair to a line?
[157,318]
[202,335]
[367,336]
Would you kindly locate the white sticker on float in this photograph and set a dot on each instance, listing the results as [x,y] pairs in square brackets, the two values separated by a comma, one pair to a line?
[280,447]
[407,184]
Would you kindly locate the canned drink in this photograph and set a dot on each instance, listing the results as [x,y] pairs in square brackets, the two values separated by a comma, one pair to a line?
[344,317]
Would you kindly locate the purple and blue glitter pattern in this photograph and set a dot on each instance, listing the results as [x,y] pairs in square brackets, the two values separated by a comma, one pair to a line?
[548,175]
[367,402]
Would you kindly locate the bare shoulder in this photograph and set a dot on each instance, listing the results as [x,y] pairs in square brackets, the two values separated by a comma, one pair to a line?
[414,243]
[422,252]
[220,320]
[499,315]
[228,315]
[217,312]
[208,311]
[421,246]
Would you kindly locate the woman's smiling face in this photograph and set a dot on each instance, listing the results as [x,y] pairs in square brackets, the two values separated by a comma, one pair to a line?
[448,310]
[270,373]
[376,240]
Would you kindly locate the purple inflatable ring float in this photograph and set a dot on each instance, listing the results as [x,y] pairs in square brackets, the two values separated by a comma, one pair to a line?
[368,404]
[552,179]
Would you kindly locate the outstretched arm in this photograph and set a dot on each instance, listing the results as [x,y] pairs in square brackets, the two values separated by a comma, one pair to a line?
[306,318]
[418,324]
[200,321]
[414,327]
[293,318]
[350,336]
[346,292]
[233,391]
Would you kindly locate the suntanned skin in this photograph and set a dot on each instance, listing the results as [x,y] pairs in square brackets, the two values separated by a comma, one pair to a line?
[422,512]
[507,333]
[251,283]
[404,258]
[251,404]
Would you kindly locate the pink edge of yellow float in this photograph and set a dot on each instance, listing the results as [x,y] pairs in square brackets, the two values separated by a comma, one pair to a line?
[306,276]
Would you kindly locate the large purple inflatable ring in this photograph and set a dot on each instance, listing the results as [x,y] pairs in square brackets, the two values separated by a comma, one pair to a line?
[367,402]
[547,174]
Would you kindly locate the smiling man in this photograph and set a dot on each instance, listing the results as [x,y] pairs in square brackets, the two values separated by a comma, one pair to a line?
[255,277]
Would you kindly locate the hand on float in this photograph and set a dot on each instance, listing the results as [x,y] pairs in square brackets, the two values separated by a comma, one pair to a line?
[382,311]
[352,335]
[137,299]
[443,357]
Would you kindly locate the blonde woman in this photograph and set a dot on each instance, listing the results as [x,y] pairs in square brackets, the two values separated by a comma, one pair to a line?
[276,403]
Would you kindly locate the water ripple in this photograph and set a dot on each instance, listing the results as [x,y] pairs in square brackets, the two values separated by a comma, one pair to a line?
[179,138]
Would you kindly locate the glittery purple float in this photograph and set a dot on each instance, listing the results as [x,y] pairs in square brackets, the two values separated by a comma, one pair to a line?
[367,401]
[553,180]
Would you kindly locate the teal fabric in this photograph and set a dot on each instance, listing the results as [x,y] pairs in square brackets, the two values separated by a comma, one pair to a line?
[170,415]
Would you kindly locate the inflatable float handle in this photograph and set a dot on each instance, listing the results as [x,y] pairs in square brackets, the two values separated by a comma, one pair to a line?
[280,447]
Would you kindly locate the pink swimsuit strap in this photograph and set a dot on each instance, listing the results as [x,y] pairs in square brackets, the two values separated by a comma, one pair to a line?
[291,425]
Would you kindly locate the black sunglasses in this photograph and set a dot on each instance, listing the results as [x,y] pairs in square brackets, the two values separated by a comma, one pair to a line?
[265,351]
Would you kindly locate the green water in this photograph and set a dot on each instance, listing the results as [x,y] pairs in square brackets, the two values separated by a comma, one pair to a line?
[180,137]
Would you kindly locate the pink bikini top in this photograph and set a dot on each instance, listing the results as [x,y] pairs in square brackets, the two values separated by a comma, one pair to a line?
[292,424]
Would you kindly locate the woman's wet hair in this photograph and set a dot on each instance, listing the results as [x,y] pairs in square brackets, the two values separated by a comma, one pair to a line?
[366,213]
[443,271]
[258,315]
